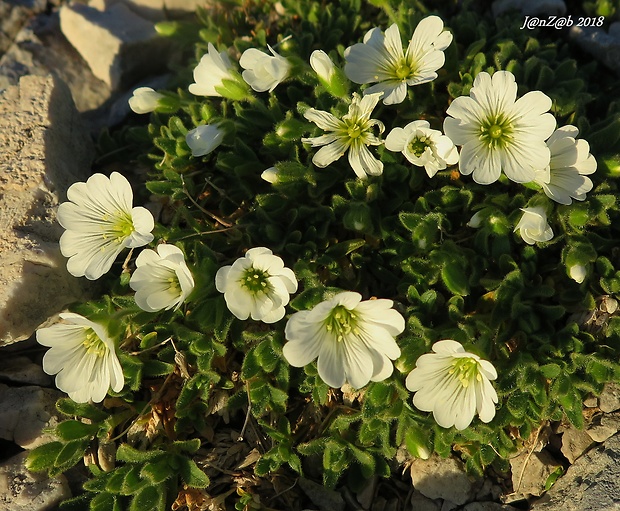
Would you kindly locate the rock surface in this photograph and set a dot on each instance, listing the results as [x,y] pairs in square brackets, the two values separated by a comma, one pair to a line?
[45,149]
[114,42]
[22,490]
[591,484]
[13,16]
[441,478]
[25,412]
[18,369]
[603,46]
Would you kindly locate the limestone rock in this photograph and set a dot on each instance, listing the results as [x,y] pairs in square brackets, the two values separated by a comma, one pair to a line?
[22,490]
[609,400]
[604,426]
[114,42]
[44,150]
[153,10]
[18,369]
[421,503]
[13,15]
[591,484]
[441,478]
[529,8]
[323,498]
[603,46]
[25,412]
[488,506]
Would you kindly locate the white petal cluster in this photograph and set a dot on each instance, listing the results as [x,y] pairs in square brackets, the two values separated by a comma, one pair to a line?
[498,132]
[352,339]
[82,357]
[533,226]
[264,72]
[100,222]
[162,279]
[257,285]
[423,146]
[204,139]
[209,73]
[565,179]
[144,100]
[352,133]
[381,59]
[454,385]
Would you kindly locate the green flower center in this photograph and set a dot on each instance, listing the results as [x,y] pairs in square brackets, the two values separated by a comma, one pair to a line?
[354,130]
[403,71]
[93,344]
[120,228]
[173,285]
[255,281]
[466,370]
[417,146]
[340,322]
[496,131]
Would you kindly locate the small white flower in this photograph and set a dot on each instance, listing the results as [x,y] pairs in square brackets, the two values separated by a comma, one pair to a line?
[209,73]
[565,178]
[454,385]
[100,223]
[353,339]
[499,132]
[257,285]
[263,72]
[381,58]
[322,65]
[144,100]
[270,175]
[83,358]
[476,220]
[533,226]
[162,280]
[423,146]
[204,139]
[353,133]
[578,273]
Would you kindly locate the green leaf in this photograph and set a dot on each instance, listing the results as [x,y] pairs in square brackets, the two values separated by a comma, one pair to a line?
[132,455]
[104,502]
[43,457]
[454,277]
[192,475]
[69,407]
[71,453]
[158,471]
[190,446]
[74,430]
[150,497]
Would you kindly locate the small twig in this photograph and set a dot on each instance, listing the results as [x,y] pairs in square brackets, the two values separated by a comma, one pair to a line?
[206,212]
[232,228]
[283,491]
[127,259]
[247,415]
[527,459]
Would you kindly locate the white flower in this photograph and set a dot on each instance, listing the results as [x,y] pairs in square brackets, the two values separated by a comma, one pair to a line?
[83,358]
[209,73]
[533,225]
[162,280]
[100,223]
[144,100]
[381,58]
[423,146]
[322,65]
[263,72]
[353,133]
[204,139]
[578,273]
[353,339]
[498,133]
[454,385]
[565,178]
[270,175]
[257,285]
[476,220]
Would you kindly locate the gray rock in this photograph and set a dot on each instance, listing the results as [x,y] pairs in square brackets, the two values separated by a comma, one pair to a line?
[609,400]
[41,49]
[529,8]
[367,495]
[441,478]
[574,443]
[604,426]
[530,472]
[323,498]
[22,370]
[22,490]
[13,16]
[488,506]
[25,412]
[591,484]
[421,503]
[44,150]
[154,10]
[114,42]
[604,47]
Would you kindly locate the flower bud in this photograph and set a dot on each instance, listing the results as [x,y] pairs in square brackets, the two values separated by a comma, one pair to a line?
[144,100]
[204,139]
[578,273]
[330,76]
[270,175]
